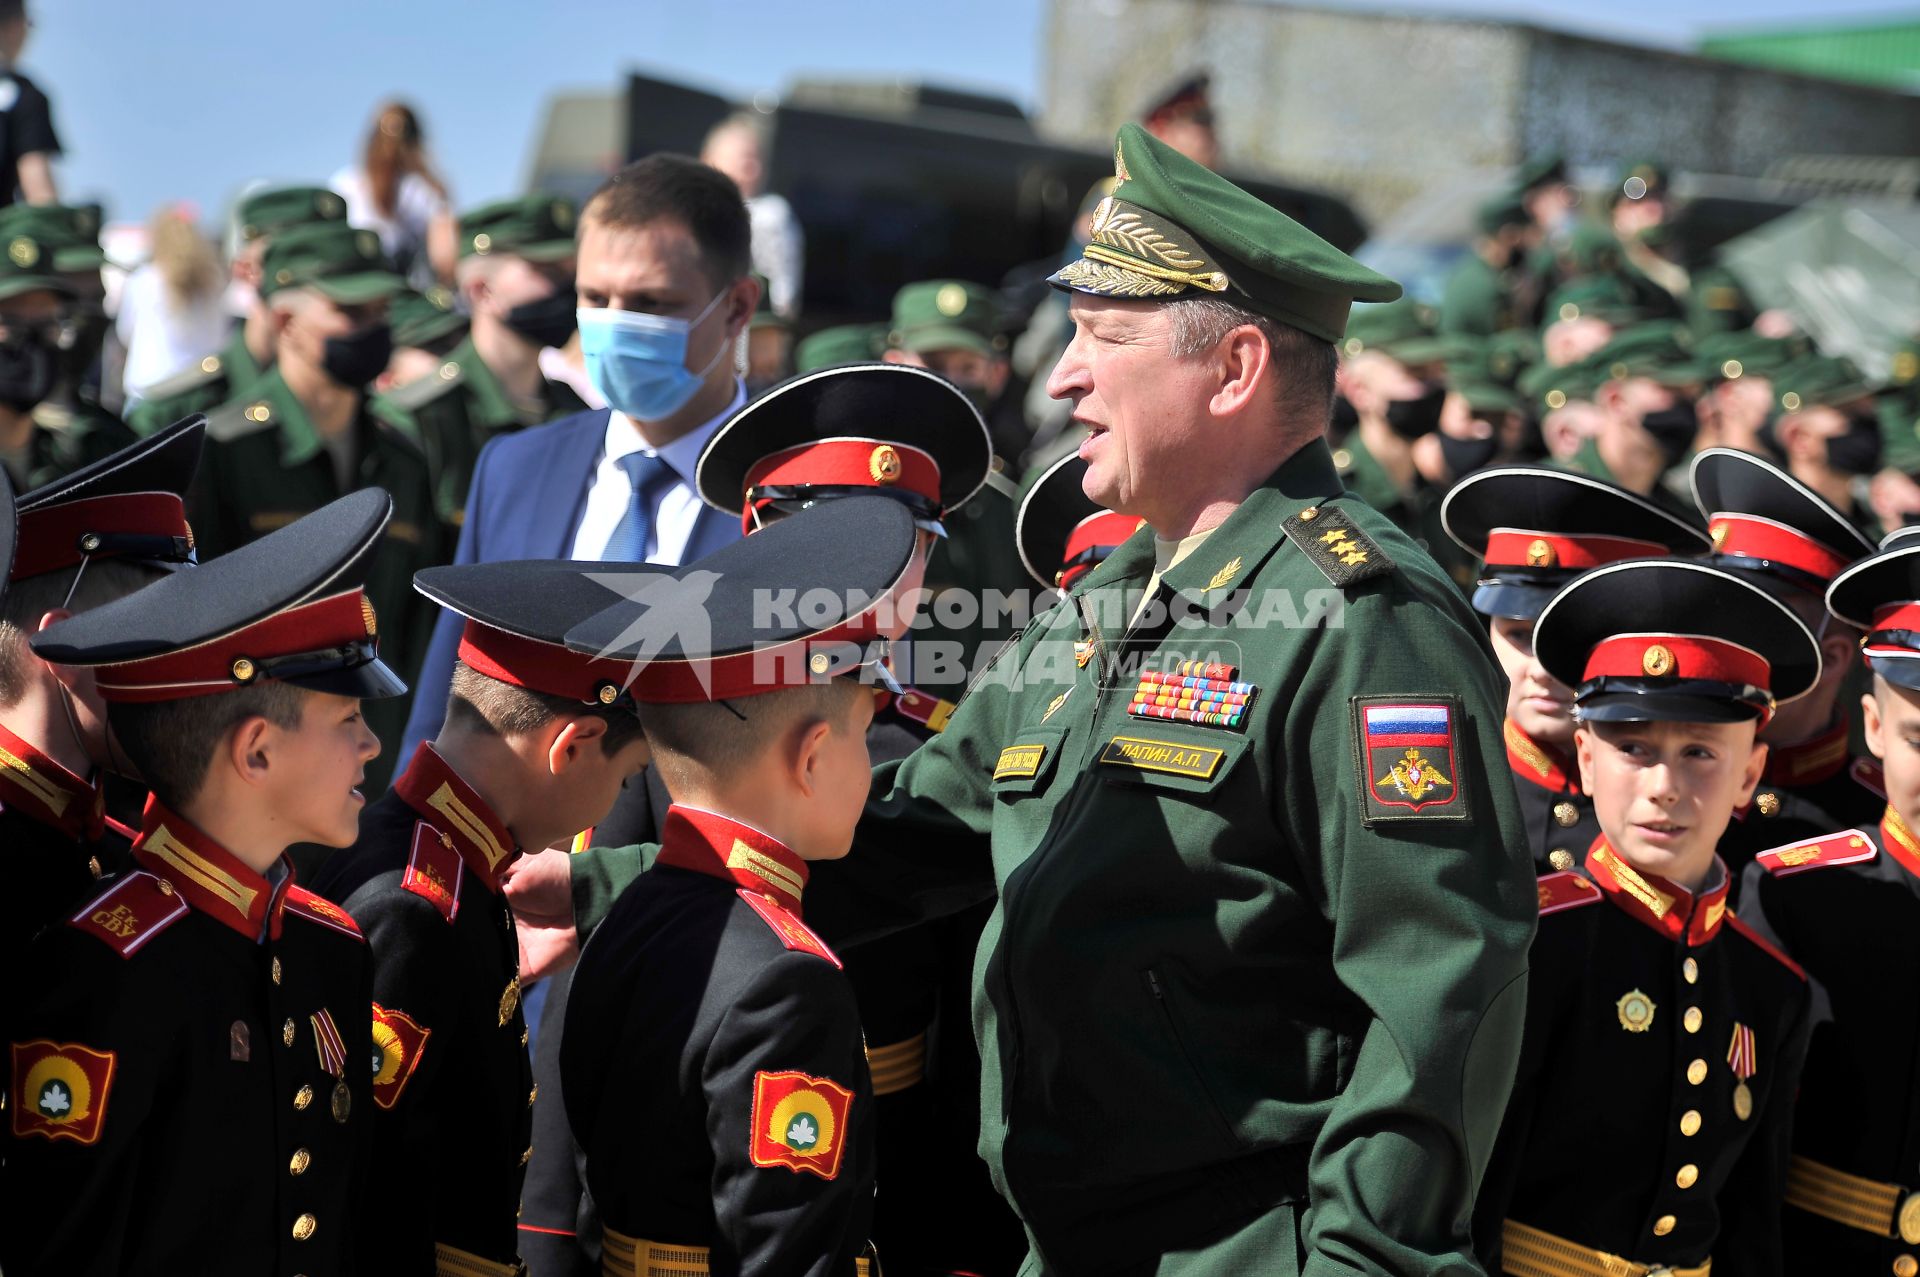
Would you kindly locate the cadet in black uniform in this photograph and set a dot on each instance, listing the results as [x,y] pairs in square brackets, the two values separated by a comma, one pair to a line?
[1772,530]
[1060,533]
[1847,907]
[85,540]
[1535,529]
[189,1082]
[1651,1112]
[537,743]
[712,1051]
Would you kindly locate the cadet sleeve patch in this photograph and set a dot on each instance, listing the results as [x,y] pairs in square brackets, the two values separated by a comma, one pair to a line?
[799,1122]
[1406,751]
[1761,943]
[131,912]
[1847,847]
[917,706]
[1344,554]
[793,933]
[60,1090]
[323,911]
[1562,891]
[398,1042]
[434,870]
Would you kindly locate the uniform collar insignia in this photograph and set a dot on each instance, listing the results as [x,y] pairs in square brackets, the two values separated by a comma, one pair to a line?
[1539,763]
[462,818]
[211,879]
[49,793]
[1667,907]
[726,849]
[1900,841]
[1810,761]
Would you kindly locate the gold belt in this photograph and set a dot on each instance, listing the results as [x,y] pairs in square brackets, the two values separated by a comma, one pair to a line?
[899,1066]
[449,1262]
[1530,1252]
[624,1256]
[1885,1210]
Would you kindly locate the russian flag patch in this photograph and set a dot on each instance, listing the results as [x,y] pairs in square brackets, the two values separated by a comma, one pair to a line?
[1407,750]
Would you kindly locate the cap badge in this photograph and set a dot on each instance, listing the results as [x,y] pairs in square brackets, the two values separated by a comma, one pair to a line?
[562,214]
[884,464]
[1120,173]
[242,670]
[1720,531]
[950,300]
[482,243]
[23,252]
[1657,661]
[1540,554]
[368,243]
[328,205]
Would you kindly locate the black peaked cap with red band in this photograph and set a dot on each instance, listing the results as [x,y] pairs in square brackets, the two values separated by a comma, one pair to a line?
[1674,640]
[1881,595]
[889,428]
[808,598]
[1535,529]
[129,505]
[1060,531]
[1765,521]
[518,613]
[288,607]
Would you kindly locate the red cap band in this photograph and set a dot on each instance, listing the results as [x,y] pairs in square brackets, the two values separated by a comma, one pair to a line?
[541,667]
[1103,531]
[228,663]
[1754,538]
[847,463]
[1518,548]
[53,538]
[1677,656]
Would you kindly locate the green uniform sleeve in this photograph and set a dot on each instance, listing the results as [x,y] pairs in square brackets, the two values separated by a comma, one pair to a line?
[600,874]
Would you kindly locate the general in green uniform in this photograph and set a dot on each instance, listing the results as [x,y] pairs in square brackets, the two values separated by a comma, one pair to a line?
[219,377]
[1252,991]
[516,272]
[306,432]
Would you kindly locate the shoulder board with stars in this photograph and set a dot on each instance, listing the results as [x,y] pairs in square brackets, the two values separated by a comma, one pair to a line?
[434,870]
[923,708]
[1870,776]
[793,933]
[1560,892]
[323,911]
[131,912]
[1761,943]
[1848,847]
[1344,554]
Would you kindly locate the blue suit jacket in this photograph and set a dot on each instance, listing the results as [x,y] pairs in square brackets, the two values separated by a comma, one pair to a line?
[529,489]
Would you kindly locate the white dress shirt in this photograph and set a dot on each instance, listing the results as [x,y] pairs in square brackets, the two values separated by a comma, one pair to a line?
[612,492]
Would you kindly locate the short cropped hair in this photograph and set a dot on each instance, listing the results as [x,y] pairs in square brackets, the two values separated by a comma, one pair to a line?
[698,196]
[28,600]
[1304,366]
[173,742]
[705,739]
[490,707]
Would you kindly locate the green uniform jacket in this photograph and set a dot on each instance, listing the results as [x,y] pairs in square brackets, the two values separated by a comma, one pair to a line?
[1477,299]
[978,554]
[1234,986]
[451,415]
[201,388]
[265,466]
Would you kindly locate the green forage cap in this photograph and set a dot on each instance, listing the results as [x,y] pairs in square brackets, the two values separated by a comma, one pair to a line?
[845,344]
[1541,170]
[1499,211]
[421,319]
[275,209]
[1173,228]
[1605,297]
[1904,373]
[946,314]
[1405,329]
[1547,388]
[1641,178]
[538,227]
[1659,348]
[1832,380]
[67,234]
[1481,370]
[26,266]
[344,264]
[1731,356]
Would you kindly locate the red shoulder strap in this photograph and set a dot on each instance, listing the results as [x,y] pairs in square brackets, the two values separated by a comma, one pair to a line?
[1562,891]
[1848,847]
[793,933]
[434,870]
[131,912]
[323,911]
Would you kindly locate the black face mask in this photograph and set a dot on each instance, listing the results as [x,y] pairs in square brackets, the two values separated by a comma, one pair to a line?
[361,355]
[1464,456]
[1673,429]
[547,322]
[27,371]
[1858,450]
[1344,417]
[1412,418]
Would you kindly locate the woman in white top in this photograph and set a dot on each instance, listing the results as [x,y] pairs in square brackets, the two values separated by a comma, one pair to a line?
[171,314]
[395,193]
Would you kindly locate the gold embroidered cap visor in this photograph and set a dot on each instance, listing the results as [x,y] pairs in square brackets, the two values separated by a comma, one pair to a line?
[1174,229]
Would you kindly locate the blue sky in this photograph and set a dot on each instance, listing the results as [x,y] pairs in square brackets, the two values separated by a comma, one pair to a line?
[189,99]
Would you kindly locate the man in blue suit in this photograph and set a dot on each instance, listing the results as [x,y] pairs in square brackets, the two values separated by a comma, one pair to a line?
[664,295]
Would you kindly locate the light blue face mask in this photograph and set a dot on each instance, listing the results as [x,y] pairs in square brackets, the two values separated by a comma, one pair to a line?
[638,362]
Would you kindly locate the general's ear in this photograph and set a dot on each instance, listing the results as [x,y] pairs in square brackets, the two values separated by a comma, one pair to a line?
[1246,366]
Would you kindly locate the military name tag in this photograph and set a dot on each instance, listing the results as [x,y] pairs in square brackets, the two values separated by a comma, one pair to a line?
[1019,762]
[1406,750]
[1144,754]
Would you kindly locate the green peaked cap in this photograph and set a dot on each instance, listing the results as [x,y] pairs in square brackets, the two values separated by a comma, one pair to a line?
[1174,229]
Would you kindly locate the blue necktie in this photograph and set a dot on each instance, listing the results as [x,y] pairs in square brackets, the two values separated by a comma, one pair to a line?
[650,477]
